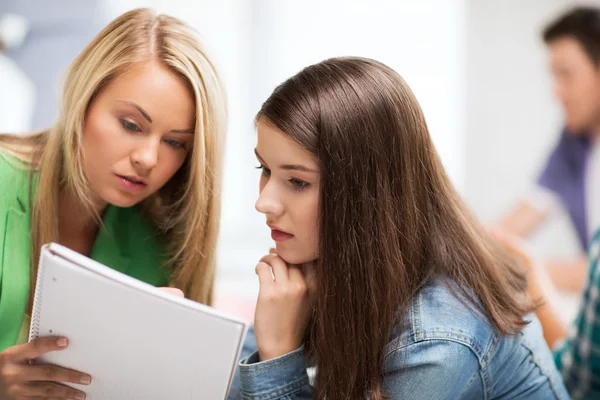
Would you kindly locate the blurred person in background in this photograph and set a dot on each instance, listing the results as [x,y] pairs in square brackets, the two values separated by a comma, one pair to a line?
[42,38]
[570,179]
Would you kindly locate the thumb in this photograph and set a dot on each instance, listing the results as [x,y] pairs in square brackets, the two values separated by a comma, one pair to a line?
[173,291]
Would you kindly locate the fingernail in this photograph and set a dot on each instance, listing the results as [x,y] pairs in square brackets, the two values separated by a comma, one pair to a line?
[62,342]
[86,380]
[80,396]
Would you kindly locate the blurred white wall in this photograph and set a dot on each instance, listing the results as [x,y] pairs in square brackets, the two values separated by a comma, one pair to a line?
[17,96]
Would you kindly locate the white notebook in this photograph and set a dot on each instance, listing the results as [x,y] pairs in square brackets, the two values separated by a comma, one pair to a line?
[136,341]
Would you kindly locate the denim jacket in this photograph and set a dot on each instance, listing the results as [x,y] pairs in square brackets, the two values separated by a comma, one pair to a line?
[444,349]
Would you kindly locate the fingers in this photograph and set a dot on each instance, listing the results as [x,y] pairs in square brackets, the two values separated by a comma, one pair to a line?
[278,266]
[53,390]
[288,278]
[273,268]
[22,380]
[52,373]
[265,277]
[36,348]
[282,309]
[174,291]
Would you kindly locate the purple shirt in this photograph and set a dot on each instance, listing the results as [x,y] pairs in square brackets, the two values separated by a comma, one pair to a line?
[564,174]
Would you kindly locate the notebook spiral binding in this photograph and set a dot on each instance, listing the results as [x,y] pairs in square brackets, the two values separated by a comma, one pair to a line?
[34,328]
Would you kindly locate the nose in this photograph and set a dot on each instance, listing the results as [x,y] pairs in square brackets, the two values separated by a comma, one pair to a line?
[269,202]
[145,157]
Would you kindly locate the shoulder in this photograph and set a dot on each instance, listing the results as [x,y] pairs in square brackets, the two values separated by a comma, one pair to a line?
[436,368]
[442,338]
[14,178]
[571,144]
[440,314]
[11,165]
[445,339]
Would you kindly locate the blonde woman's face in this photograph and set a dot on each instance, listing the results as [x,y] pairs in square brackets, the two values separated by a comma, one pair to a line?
[137,134]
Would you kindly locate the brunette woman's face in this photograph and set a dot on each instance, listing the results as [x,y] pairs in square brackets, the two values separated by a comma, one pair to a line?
[289,194]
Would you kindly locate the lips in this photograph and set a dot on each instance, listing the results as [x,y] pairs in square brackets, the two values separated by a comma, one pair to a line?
[132,183]
[133,179]
[280,236]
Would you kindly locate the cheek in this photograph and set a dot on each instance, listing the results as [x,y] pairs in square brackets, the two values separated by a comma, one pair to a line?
[102,137]
[595,92]
[587,101]
[311,218]
[93,145]
[170,161]
[315,229]
[585,85]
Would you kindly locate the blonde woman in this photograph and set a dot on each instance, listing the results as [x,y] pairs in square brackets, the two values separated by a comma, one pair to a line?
[129,175]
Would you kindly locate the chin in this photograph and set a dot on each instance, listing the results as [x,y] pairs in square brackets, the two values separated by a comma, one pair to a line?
[118,200]
[123,204]
[577,127]
[575,130]
[294,257]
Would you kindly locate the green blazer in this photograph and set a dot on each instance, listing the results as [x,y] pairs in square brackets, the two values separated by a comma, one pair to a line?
[127,244]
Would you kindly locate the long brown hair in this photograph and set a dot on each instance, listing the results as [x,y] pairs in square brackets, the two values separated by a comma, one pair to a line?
[186,210]
[390,219]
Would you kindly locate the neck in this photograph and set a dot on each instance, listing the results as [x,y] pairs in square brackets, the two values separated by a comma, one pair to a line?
[594,130]
[74,217]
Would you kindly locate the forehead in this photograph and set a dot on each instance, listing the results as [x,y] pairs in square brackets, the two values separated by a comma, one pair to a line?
[568,50]
[276,147]
[162,93]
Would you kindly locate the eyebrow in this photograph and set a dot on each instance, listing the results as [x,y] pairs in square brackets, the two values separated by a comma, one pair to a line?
[288,167]
[191,130]
[147,117]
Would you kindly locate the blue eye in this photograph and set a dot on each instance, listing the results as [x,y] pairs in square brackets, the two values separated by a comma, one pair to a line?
[175,143]
[298,184]
[130,126]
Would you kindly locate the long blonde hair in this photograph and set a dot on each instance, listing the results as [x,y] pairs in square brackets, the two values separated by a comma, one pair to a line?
[186,210]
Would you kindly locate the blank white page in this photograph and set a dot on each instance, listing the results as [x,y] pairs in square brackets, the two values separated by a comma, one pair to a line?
[136,341]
